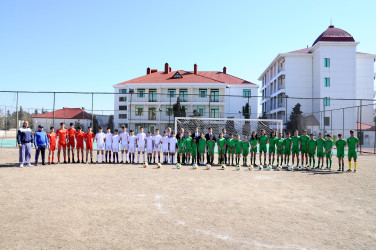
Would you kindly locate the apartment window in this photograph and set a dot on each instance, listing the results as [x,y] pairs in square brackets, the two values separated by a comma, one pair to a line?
[327,82]
[326,121]
[171,93]
[327,62]
[214,112]
[152,95]
[201,110]
[123,107]
[246,93]
[177,75]
[139,110]
[122,116]
[214,95]
[183,94]
[327,101]
[140,92]
[152,113]
[168,110]
[122,99]
[123,124]
[122,91]
[203,93]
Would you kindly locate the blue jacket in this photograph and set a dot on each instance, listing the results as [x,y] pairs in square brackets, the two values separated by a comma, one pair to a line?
[40,138]
[24,135]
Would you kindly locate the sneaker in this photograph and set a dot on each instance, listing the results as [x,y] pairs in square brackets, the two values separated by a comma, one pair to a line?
[29,165]
[339,169]
[102,162]
[21,165]
[53,163]
[68,160]
[354,171]
[65,162]
[348,170]
[43,163]
[36,164]
[87,162]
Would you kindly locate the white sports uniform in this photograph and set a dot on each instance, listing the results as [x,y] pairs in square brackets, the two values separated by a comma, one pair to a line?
[157,142]
[132,143]
[165,141]
[149,144]
[115,143]
[141,142]
[172,142]
[124,140]
[108,141]
[99,137]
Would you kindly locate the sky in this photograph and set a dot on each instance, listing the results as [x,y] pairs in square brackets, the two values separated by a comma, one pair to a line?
[92,45]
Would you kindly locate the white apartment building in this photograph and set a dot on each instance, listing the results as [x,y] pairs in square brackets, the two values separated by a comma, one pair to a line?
[148,100]
[331,68]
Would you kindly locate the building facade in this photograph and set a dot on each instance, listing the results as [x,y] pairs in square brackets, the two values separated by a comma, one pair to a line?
[148,100]
[316,77]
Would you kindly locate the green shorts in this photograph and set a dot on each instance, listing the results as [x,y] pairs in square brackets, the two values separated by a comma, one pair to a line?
[238,151]
[341,155]
[352,154]
[320,154]
[188,150]
[221,152]
[181,151]
[310,154]
[303,149]
[201,150]
[287,152]
[245,153]
[210,152]
[263,149]
[279,152]
[271,149]
[253,150]
[295,150]
[231,152]
[194,153]
[329,154]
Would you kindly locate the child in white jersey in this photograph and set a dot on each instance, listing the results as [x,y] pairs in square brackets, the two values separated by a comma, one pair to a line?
[157,140]
[149,146]
[172,142]
[141,136]
[132,146]
[165,141]
[108,141]
[99,138]
[115,146]
[124,144]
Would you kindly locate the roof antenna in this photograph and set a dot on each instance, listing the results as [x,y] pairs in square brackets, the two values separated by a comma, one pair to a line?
[331,22]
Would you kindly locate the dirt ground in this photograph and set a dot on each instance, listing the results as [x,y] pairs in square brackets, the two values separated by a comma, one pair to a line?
[121,206]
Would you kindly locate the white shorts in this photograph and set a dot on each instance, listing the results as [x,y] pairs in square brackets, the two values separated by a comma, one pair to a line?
[141,148]
[165,149]
[157,148]
[131,149]
[108,146]
[100,147]
[149,150]
[115,149]
[124,146]
[172,151]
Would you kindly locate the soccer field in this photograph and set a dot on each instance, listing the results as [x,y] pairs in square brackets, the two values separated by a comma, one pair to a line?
[122,206]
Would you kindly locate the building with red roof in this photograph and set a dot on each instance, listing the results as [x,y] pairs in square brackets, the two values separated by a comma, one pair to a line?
[147,100]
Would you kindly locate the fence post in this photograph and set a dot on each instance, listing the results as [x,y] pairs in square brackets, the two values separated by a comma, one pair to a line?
[92,110]
[323,115]
[331,121]
[53,112]
[360,127]
[286,112]
[130,110]
[169,113]
[17,115]
[343,121]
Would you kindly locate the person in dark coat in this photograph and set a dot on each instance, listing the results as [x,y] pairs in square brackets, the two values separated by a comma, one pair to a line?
[226,136]
[207,137]
[196,135]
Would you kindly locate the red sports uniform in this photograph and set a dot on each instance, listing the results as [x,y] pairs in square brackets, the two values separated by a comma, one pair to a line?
[89,138]
[52,140]
[80,140]
[62,134]
[71,135]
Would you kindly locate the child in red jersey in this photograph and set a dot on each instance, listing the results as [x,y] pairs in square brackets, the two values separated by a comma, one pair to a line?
[80,145]
[51,145]
[71,144]
[89,138]
[62,134]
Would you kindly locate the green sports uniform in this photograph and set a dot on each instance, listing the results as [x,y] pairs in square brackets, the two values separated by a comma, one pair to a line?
[238,147]
[272,141]
[304,143]
[181,145]
[312,143]
[320,147]
[188,144]
[201,145]
[287,149]
[295,144]
[263,139]
[253,143]
[231,146]
[245,147]
[211,145]
[194,148]
[280,143]
[340,145]
[221,143]
[351,143]
[328,144]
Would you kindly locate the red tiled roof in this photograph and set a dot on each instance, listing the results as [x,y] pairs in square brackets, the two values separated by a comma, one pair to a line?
[332,34]
[365,127]
[301,51]
[67,113]
[188,77]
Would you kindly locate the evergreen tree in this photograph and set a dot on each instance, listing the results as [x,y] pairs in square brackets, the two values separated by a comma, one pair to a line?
[110,124]
[296,120]
[178,110]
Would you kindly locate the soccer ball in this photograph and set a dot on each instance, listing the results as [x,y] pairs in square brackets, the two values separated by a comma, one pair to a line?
[309,168]
[279,168]
[290,168]
[269,168]
[208,167]
[238,167]
[300,168]
[194,166]
[159,165]
[250,167]
[146,165]
[223,167]
[260,167]
[178,166]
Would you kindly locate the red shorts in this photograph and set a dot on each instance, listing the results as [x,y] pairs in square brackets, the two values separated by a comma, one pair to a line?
[80,146]
[52,147]
[89,146]
[71,144]
[62,144]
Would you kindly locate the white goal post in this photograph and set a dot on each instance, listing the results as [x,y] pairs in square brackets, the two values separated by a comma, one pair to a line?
[242,127]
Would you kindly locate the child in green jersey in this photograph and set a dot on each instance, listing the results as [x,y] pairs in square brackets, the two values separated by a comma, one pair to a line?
[238,149]
[253,141]
[352,144]
[231,149]
[295,147]
[312,145]
[304,147]
[280,143]
[287,148]
[194,150]
[328,145]
[221,144]
[188,148]
[210,146]
[340,146]
[201,148]
[320,151]
[272,140]
[245,150]
[263,140]
[181,147]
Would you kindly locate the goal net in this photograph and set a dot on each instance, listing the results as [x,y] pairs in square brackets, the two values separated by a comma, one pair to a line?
[242,127]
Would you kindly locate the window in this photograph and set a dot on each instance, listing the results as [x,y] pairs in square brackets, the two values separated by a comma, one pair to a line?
[202,93]
[327,101]
[214,95]
[152,113]
[171,93]
[123,107]
[246,93]
[214,112]
[168,110]
[122,99]
[183,94]
[327,62]
[123,124]
[140,92]
[122,116]
[201,110]
[152,95]
[122,91]
[139,110]
[177,75]
[326,121]
[327,82]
